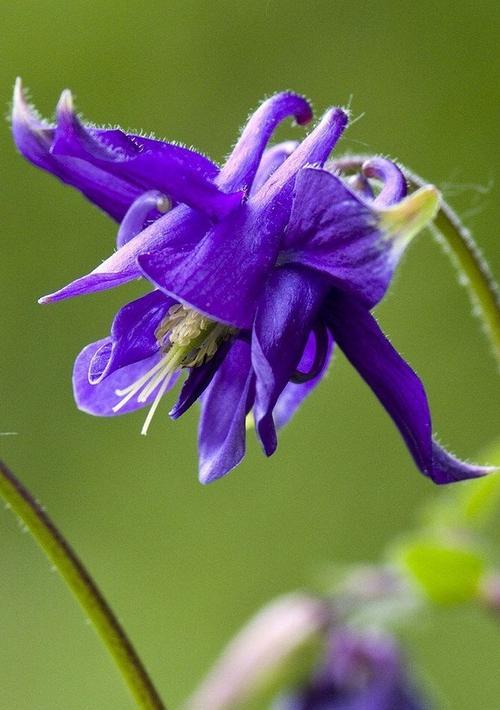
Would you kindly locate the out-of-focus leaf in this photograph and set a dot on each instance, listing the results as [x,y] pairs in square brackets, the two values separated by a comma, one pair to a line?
[446,574]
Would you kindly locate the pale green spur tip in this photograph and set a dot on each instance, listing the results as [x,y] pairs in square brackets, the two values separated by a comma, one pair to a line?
[407,218]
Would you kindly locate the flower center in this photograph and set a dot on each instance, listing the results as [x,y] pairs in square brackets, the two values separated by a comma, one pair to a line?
[186,338]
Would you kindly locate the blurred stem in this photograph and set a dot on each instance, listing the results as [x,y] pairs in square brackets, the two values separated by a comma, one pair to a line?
[83,587]
[459,243]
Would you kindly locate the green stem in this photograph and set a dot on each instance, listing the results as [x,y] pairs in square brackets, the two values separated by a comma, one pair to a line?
[460,245]
[83,587]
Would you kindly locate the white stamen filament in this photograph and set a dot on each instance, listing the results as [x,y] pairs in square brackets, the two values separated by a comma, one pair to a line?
[169,366]
[156,402]
[128,392]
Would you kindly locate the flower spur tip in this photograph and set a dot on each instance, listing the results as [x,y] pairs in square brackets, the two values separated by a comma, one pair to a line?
[66,104]
[412,214]
[21,109]
[18,88]
[45,299]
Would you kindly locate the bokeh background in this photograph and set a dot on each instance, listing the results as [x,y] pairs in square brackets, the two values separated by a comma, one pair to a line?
[185,565]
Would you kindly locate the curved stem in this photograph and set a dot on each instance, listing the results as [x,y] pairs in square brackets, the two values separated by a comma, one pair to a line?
[83,587]
[459,243]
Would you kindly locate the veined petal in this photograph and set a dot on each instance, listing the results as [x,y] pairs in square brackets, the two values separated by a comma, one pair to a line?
[396,385]
[284,318]
[225,404]
[34,137]
[224,275]
[333,231]
[271,160]
[132,335]
[241,166]
[183,174]
[181,228]
[294,393]
[101,398]
[336,233]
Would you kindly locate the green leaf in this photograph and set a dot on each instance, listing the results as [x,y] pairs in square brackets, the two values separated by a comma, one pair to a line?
[446,574]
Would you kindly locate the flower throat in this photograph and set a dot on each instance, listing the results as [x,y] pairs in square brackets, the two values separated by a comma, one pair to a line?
[186,338]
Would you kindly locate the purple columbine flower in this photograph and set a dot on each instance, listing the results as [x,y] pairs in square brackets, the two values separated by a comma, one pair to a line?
[258,267]
[361,672]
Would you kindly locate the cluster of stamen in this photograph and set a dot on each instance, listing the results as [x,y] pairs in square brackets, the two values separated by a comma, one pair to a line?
[186,338]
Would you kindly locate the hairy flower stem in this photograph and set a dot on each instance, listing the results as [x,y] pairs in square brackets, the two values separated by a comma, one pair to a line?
[459,243]
[83,587]
[480,283]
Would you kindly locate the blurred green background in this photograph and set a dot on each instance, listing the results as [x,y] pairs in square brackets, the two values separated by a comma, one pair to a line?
[185,565]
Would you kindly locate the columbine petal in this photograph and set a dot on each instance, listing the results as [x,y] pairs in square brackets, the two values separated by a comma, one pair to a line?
[241,166]
[315,148]
[132,335]
[224,275]
[225,404]
[181,228]
[393,181]
[183,174]
[294,393]
[284,318]
[335,232]
[34,137]
[101,399]
[271,161]
[148,206]
[396,385]
[197,382]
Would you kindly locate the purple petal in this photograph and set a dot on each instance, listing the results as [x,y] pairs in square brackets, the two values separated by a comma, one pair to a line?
[197,381]
[334,232]
[315,148]
[132,335]
[271,161]
[394,186]
[224,275]
[183,174]
[34,138]
[294,394]
[99,399]
[396,385]
[241,166]
[359,184]
[146,209]
[181,228]
[92,283]
[225,404]
[284,318]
